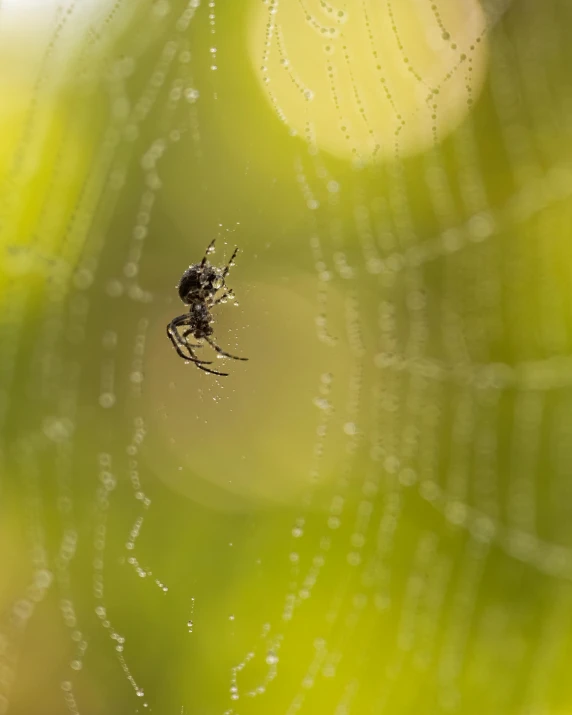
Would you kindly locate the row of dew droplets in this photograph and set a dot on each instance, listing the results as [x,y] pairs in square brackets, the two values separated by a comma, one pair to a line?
[130,114]
[114,155]
[382,447]
[271,648]
[181,87]
[413,389]
[23,607]
[212,30]
[271,643]
[325,657]
[370,489]
[142,498]
[108,484]
[58,428]
[428,402]
[140,112]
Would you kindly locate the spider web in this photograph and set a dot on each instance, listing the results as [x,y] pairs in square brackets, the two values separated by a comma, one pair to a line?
[371,515]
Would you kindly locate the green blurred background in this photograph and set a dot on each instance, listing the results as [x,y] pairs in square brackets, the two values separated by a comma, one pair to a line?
[372,514]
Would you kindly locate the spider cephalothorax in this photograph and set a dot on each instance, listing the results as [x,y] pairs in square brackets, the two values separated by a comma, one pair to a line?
[201,287]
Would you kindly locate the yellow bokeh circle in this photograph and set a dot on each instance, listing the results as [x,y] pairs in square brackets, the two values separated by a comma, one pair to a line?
[367,80]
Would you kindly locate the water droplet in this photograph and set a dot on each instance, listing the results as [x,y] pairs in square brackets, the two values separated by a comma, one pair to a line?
[272,658]
[350,428]
[107,400]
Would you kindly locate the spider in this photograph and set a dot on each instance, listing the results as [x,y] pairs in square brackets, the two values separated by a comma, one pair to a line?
[198,288]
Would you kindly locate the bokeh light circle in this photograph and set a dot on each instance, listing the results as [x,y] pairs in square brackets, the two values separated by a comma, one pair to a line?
[368,80]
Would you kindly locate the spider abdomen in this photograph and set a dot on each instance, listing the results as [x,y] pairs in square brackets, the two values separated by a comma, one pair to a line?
[190,283]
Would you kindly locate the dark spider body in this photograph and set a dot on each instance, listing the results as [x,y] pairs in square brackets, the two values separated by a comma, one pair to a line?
[199,289]
[199,284]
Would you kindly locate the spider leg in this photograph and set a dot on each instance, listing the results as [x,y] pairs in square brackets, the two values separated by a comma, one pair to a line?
[190,356]
[178,343]
[222,352]
[180,353]
[191,345]
[212,372]
[197,362]
[207,252]
[229,264]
